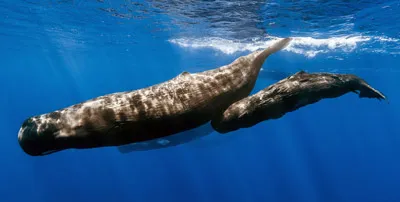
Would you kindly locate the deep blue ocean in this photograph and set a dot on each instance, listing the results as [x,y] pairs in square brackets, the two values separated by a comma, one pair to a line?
[56,53]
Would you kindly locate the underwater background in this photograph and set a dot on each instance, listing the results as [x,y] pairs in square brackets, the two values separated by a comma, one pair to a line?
[57,53]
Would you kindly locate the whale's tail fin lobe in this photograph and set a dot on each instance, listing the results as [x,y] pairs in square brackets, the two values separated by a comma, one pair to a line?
[367,91]
[277,46]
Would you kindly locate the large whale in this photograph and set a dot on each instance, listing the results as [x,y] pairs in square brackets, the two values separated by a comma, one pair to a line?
[290,94]
[182,103]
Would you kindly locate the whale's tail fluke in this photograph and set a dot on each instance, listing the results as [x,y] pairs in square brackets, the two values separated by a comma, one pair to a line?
[367,91]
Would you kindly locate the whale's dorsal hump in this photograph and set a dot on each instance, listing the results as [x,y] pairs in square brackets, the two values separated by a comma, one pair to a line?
[182,75]
[185,73]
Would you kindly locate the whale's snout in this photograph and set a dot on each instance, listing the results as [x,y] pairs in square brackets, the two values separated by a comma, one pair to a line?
[37,139]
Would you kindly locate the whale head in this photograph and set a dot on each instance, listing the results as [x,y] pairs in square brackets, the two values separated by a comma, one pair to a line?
[38,136]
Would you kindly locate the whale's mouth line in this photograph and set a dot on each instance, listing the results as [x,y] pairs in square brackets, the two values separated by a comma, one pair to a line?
[49,152]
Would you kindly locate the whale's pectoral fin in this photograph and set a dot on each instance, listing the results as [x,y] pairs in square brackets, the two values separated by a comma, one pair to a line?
[169,141]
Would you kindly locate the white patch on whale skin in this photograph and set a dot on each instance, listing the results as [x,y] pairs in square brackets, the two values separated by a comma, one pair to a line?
[163,142]
[20,132]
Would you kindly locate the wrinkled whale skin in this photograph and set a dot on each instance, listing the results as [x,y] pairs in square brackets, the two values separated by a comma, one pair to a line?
[288,95]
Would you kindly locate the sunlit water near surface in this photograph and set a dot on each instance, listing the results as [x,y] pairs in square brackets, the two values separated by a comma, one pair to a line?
[58,53]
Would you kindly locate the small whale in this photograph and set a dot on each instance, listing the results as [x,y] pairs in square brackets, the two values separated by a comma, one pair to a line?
[174,106]
[288,95]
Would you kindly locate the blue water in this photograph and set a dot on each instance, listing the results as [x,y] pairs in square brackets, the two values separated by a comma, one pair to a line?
[58,53]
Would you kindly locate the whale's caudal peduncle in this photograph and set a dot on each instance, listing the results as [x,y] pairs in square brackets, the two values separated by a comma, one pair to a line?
[182,103]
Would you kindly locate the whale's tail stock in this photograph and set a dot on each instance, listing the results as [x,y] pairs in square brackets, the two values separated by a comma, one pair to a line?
[275,47]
